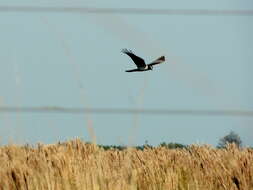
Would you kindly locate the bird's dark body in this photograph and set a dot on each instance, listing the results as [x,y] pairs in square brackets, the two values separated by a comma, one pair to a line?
[140,63]
[147,68]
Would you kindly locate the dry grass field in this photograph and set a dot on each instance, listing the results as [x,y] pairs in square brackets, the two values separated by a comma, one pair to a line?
[77,165]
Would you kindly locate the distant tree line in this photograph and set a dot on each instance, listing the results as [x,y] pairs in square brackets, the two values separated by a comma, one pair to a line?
[232,137]
[145,146]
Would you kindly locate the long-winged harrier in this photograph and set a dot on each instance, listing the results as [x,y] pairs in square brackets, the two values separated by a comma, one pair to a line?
[140,63]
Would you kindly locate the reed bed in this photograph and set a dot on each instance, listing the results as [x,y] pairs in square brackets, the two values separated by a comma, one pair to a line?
[79,165]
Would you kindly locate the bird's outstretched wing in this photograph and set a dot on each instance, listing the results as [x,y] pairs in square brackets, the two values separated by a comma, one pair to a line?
[137,60]
[157,61]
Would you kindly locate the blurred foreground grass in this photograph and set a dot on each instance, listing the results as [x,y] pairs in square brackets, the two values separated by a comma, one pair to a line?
[79,165]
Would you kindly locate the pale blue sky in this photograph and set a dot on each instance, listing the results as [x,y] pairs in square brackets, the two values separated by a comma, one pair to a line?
[45,57]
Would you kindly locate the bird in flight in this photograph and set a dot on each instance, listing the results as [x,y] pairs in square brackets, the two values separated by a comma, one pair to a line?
[140,63]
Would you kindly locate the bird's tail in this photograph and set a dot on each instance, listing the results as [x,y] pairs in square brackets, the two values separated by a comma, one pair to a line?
[158,60]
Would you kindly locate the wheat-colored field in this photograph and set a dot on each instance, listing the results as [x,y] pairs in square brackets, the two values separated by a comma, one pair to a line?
[77,165]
